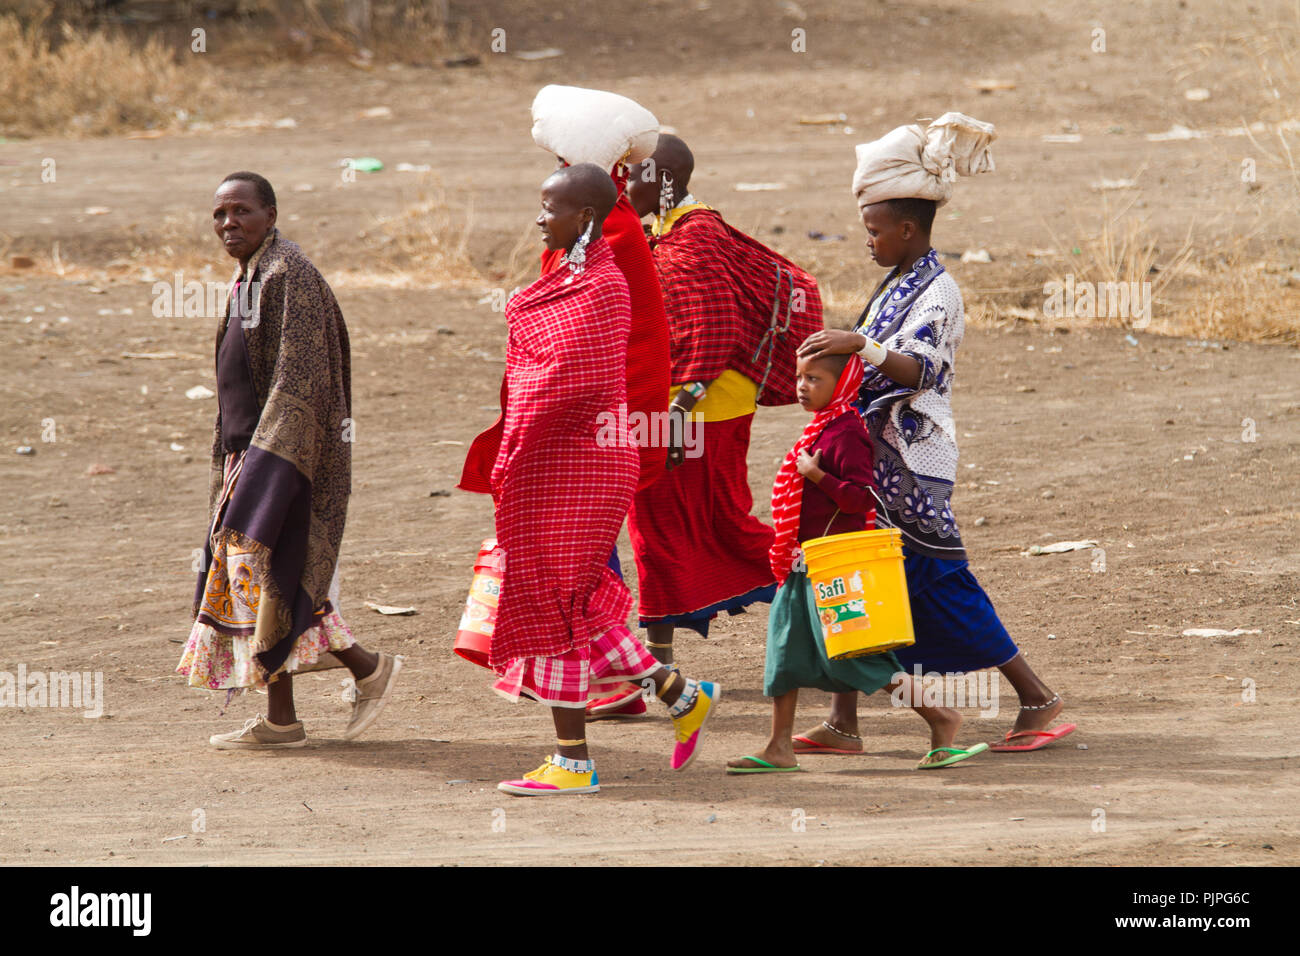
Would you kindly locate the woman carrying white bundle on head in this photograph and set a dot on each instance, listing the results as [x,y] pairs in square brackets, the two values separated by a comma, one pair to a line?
[908,335]
[578,126]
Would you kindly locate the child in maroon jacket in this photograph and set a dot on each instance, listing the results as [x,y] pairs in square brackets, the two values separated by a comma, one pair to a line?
[824,488]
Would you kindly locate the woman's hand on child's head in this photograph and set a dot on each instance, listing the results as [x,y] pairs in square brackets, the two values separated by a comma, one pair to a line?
[810,465]
[831,342]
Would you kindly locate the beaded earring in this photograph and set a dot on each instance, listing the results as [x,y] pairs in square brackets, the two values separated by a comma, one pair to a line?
[577,256]
[665,194]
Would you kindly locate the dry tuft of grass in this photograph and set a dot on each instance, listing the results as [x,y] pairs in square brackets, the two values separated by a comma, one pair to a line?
[428,239]
[521,264]
[1233,295]
[1229,291]
[1125,253]
[1276,55]
[94,83]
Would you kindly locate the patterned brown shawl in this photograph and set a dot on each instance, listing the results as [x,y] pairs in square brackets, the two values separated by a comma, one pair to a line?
[290,503]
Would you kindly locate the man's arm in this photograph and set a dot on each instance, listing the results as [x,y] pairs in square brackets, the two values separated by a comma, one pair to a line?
[687,398]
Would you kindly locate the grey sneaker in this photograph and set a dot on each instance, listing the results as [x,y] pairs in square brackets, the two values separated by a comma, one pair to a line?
[258,733]
[372,694]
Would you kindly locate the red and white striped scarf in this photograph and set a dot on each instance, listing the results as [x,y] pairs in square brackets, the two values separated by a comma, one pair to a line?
[787,490]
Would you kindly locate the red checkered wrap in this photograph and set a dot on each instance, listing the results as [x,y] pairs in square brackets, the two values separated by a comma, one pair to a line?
[695,542]
[569,679]
[719,287]
[787,490]
[565,471]
[647,346]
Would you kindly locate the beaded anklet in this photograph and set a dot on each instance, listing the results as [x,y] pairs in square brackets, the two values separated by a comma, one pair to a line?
[573,766]
[837,732]
[1055,698]
[684,702]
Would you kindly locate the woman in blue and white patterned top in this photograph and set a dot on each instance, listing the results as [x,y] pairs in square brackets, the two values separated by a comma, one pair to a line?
[908,335]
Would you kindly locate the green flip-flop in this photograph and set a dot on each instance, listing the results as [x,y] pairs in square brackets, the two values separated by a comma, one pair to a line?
[763,767]
[955,755]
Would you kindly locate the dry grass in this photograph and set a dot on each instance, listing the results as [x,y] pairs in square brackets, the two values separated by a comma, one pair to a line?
[1233,295]
[94,83]
[521,265]
[428,240]
[1228,292]
[1276,55]
[1124,251]
[171,244]
[417,32]
[72,70]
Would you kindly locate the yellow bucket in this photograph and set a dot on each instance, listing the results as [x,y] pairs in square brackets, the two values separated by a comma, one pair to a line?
[857,580]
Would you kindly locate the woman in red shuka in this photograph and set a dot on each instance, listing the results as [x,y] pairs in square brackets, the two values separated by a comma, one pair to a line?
[562,488]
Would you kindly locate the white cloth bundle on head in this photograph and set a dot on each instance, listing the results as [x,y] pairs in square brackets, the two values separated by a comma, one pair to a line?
[593,126]
[915,163]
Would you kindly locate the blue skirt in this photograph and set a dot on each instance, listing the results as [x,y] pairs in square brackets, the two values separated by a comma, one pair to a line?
[698,621]
[956,628]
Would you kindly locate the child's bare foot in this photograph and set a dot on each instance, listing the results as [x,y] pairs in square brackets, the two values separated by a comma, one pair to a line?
[1037,714]
[833,738]
[777,753]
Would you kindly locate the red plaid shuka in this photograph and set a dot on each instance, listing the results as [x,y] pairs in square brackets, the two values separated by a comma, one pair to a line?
[565,473]
[787,490]
[721,288]
[570,680]
[647,347]
[695,542]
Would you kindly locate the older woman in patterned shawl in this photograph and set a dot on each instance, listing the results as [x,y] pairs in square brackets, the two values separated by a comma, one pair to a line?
[265,603]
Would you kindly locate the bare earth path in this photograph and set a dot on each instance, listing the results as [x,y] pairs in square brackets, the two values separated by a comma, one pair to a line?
[1184,770]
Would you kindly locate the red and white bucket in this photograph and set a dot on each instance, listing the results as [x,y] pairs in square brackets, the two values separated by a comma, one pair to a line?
[479,620]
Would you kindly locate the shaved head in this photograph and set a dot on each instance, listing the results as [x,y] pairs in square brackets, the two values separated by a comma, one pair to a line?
[671,161]
[672,154]
[584,186]
[575,200]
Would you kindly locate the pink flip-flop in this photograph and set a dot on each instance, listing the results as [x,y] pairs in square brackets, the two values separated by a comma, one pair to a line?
[1041,738]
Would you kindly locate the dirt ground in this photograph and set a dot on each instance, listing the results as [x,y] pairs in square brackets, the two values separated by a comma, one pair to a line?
[1178,456]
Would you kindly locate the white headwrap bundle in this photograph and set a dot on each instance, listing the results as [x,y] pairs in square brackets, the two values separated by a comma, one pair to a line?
[916,163]
[593,126]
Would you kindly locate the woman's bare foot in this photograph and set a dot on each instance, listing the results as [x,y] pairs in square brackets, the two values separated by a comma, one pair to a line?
[777,753]
[835,738]
[1039,718]
[944,723]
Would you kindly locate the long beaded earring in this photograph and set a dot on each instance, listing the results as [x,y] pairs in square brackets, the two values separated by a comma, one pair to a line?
[577,256]
[665,195]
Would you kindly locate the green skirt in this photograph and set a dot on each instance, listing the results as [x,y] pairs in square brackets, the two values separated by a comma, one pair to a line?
[797,658]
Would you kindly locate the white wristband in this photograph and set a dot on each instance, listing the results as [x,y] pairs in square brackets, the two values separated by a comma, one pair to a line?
[873,353]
